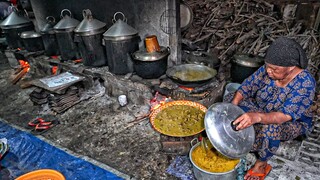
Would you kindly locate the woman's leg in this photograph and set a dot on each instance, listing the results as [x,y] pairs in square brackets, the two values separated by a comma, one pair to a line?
[268,139]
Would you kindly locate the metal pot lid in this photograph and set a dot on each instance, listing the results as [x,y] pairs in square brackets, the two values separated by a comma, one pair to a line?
[15,20]
[154,56]
[248,60]
[29,34]
[231,143]
[120,30]
[48,27]
[67,23]
[186,15]
[89,25]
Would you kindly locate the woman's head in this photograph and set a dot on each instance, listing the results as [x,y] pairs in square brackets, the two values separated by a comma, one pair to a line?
[286,52]
[278,72]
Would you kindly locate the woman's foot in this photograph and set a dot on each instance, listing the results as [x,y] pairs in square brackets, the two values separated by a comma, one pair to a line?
[259,171]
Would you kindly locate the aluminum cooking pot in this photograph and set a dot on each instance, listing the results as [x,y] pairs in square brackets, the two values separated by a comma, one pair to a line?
[191,75]
[205,175]
[151,65]
[13,25]
[49,38]
[243,65]
[32,41]
[120,40]
[88,35]
[65,36]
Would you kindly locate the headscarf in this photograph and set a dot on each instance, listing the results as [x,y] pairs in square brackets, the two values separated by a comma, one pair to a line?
[286,52]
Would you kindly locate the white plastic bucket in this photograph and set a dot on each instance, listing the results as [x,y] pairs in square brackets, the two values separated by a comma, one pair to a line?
[231,88]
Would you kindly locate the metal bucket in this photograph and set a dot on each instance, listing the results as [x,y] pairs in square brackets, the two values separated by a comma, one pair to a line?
[205,175]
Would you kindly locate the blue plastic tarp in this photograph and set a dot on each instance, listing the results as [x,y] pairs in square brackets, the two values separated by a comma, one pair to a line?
[28,153]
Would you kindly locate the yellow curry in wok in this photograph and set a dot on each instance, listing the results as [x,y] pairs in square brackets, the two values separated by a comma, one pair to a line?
[180,120]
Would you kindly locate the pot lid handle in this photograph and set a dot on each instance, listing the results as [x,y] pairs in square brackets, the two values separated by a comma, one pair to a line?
[87,14]
[50,19]
[12,8]
[15,9]
[114,20]
[65,10]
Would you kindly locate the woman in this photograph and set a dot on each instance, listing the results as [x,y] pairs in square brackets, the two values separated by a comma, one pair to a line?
[277,100]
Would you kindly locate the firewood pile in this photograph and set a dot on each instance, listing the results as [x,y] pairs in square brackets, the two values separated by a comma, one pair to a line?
[224,28]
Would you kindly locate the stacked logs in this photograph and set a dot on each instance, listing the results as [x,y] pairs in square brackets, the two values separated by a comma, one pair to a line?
[224,28]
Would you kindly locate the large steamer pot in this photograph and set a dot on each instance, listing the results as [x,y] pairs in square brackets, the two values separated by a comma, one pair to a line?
[205,175]
[243,65]
[151,65]
[120,40]
[49,38]
[13,25]
[88,35]
[32,41]
[65,36]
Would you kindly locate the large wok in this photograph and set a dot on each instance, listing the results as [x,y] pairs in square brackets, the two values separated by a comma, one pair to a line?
[191,75]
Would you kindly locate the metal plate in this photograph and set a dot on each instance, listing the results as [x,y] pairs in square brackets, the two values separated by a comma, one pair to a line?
[195,131]
[186,16]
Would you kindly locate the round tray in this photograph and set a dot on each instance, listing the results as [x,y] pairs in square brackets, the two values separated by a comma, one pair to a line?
[42,174]
[155,112]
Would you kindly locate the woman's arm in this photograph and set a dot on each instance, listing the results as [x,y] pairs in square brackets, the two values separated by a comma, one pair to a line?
[248,119]
[237,98]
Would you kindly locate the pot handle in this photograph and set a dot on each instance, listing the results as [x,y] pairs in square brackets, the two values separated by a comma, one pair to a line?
[194,141]
[86,13]
[234,126]
[15,9]
[114,20]
[102,42]
[12,8]
[65,10]
[50,19]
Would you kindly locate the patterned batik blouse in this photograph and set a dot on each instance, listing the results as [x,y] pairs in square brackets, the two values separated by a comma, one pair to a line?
[261,94]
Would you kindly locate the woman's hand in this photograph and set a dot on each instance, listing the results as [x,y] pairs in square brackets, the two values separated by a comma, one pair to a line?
[247,120]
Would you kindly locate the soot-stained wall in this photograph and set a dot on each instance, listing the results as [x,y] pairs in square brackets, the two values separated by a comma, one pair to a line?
[143,15]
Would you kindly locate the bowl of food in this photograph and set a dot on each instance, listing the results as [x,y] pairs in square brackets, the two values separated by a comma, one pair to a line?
[179,118]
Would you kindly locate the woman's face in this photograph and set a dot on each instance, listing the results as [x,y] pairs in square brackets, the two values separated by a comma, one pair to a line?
[278,72]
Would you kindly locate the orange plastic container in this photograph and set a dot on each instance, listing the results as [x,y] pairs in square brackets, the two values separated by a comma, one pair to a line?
[42,174]
[152,44]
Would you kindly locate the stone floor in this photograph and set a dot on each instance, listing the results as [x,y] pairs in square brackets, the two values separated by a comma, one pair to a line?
[297,159]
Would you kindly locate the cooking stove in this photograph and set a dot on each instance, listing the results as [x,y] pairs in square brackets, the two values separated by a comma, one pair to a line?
[205,94]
